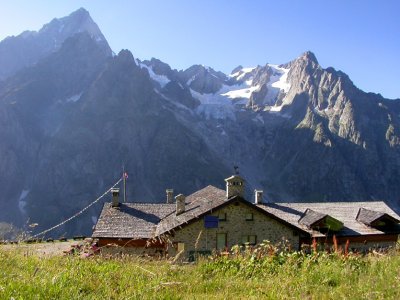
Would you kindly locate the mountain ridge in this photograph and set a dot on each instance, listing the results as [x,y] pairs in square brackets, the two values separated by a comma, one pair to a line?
[75,116]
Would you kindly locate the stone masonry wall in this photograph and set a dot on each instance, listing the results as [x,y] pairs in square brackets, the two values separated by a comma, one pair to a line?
[137,251]
[235,227]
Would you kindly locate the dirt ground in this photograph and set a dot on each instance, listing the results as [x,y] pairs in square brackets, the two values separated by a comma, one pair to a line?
[42,249]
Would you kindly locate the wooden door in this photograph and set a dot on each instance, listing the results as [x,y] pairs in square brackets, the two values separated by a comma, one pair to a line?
[221,241]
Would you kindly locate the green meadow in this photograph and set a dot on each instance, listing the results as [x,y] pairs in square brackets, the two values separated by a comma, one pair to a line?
[244,275]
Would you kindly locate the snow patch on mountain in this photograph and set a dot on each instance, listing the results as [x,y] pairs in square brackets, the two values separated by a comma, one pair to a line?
[239,75]
[276,108]
[21,202]
[161,79]
[280,80]
[242,92]
[259,118]
[234,97]
[190,80]
[74,98]
[278,83]
[214,106]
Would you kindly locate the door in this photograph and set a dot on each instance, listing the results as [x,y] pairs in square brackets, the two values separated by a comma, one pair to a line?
[221,241]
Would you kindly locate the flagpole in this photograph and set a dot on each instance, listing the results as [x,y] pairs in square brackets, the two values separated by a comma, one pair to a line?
[124,176]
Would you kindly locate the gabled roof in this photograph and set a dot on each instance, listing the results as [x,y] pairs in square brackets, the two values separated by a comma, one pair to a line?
[147,220]
[345,212]
[202,203]
[371,217]
[197,204]
[131,220]
[311,217]
[319,221]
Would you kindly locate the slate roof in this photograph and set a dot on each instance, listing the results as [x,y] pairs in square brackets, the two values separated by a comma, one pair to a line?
[197,204]
[147,220]
[345,212]
[369,217]
[310,217]
[131,220]
[202,203]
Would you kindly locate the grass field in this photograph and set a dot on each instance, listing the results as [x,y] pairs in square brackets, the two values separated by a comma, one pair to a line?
[249,275]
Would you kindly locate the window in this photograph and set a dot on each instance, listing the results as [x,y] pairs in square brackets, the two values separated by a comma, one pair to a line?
[222,216]
[249,217]
[249,239]
[221,241]
[181,247]
[211,222]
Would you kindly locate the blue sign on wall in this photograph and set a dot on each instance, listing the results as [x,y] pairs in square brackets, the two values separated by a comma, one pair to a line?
[210,222]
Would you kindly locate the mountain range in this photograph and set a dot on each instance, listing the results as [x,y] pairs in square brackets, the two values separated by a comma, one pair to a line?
[73,113]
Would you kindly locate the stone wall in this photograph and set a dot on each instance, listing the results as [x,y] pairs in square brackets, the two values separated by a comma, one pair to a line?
[369,246]
[196,237]
[137,251]
[365,243]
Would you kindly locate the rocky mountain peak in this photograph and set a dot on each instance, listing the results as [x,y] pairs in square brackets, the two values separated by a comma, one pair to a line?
[29,47]
[309,56]
[158,67]
[78,21]
[77,17]
[126,56]
[80,12]
[202,79]
[237,69]
[162,71]
[306,60]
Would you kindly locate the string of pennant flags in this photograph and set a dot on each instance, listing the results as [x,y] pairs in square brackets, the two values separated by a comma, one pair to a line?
[124,176]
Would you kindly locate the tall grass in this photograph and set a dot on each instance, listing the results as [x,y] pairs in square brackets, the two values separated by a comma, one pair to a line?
[248,273]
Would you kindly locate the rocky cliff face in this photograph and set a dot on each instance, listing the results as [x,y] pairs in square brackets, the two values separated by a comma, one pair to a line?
[35,104]
[348,129]
[71,121]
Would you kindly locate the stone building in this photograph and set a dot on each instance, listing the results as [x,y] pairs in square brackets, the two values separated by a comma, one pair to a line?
[214,219]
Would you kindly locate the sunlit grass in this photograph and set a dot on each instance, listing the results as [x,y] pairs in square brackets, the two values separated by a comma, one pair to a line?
[243,276]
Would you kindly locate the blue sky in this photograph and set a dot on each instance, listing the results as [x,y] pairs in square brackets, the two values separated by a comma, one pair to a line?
[359,37]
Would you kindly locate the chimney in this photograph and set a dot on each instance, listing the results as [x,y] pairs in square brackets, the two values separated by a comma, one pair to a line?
[180,204]
[115,196]
[234,186]
[258,196]
[170,195]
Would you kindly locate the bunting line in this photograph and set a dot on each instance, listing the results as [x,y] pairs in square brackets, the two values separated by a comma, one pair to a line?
[78,213]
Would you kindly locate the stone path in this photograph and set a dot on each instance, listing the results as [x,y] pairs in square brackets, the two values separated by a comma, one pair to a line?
[42,249]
